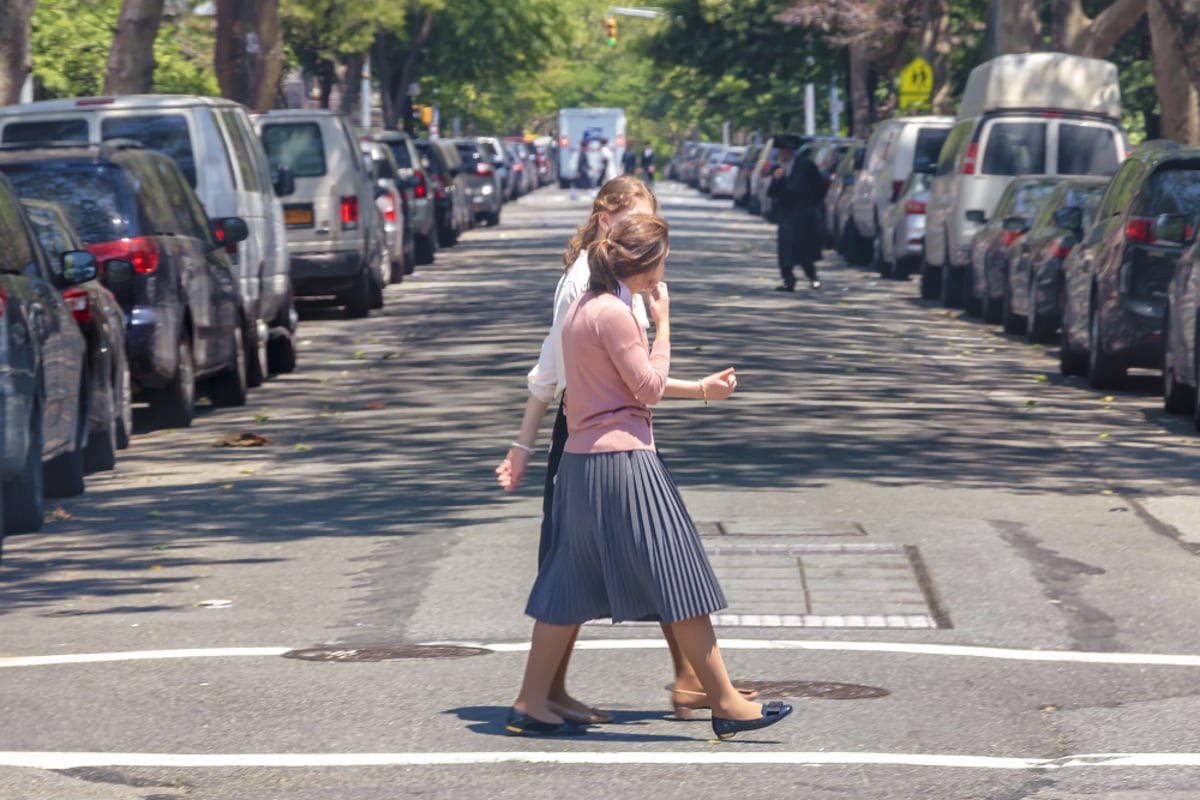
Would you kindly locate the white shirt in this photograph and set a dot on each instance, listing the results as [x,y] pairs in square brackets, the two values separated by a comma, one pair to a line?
[548,379]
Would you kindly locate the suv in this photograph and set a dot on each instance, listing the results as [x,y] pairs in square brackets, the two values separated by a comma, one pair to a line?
[481,165]
[214,144]
[43,372]
[1047,113]
[453,207]
[418,196]
[1116,278]
[335,235]
[184,318]
[894,147]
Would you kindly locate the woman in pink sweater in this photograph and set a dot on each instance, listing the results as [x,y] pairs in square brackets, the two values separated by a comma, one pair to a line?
[623,543]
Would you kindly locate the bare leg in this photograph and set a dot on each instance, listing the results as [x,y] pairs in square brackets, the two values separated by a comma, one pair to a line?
[548,646]
[561,702]
[685,676]
[698,643]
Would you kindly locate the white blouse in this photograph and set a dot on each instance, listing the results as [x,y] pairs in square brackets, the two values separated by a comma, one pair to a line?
[548,378]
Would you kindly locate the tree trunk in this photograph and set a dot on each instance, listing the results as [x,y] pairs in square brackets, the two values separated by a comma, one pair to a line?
[1074,32]
[1183,16]
[131,58]
[400,101]
[352,85]
[1014,26]
[249,53]
[1176,94]
[935,48]
[860,100]
[16,17]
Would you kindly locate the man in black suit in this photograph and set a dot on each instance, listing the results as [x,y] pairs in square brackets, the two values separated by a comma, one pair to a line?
[797,191]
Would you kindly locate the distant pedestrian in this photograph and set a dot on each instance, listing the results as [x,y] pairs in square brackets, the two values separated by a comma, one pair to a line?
[797,190]
[608,166]
[629,162]
[583,178]
[648,163]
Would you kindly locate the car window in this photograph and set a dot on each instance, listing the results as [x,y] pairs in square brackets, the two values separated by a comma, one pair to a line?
[17,256]
[1120,189]
[1174,190]
[733,158]
[87,193]
[1086,150]
[166,133]
[954,143]
[242,154]
[49,232]
[1015,148]
[1032,197]
[351,144]
[929,144]
[401,154]
[50,130]
[298,145]
[153,199]
[191,215]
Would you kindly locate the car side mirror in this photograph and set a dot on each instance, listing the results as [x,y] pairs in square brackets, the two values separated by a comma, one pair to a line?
[78,266]
[1015,224]
[1172,229]
[1069,217]
[977,216]
[924,165]
[230,230]
[285,181]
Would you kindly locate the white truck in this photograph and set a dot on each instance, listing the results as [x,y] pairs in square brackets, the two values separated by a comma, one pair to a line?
[579,127]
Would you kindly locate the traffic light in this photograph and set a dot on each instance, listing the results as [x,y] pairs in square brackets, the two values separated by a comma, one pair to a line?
[610,28]
[427,115]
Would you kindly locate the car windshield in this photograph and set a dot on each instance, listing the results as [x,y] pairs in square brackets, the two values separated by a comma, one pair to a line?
[87,194]
[298,145]
[1015,148]
[400,153]
[166,133]
[1031,198]
[1174,190]
[929,144]
[1086,150]
[733,158]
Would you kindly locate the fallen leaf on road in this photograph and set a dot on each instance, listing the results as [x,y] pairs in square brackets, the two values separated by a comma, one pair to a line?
[1042,379]
[1104,436]
[153,513]
[376,406]
[261,418]
[1108,398]
[302,448]
[1030,403]
[246,471]
[156,566]
[58,514]
[244,439]
[226,486]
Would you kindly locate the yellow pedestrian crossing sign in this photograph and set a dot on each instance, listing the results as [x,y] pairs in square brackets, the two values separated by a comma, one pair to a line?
[916,85]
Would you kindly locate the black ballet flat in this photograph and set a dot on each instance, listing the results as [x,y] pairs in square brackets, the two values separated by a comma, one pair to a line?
[522,724]
[772,713]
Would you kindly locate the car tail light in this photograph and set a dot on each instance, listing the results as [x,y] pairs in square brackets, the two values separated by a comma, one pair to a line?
[518,166]
[1061,250]
[388,206]
[969,161]
[141,251]
[1140,230]
[914,207]
[420,191]
[620,141]
[3,302]
[231,248]
[766,168]
[896,187]
[80,305]
[483,169]
[724,167]
[1012,236]
[564,141]
[349,212]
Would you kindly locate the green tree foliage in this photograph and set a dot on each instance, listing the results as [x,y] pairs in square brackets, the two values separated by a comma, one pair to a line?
[71,41]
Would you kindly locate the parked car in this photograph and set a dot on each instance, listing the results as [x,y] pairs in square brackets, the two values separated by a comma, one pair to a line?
[723,174]
[185,321]
[1116,278]
[213,142]
[451,202]
[102,322]
[389,199]
[1035,280]
[840,196]
[335,233]
[484,184]
[1181,350]
[903,227]
[741,179]
[768,159]
[546,156]
[712,157]
[894,147]
[514,178]
[1025,114]
[987,278]
[418,195]
[43,372]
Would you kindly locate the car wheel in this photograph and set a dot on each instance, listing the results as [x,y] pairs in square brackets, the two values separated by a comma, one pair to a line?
[425,249]
[256,356]
[174,405]
[954,285]
[376,294]
[877,262]
[229,388]
[281,354]
[358,299]
[1039,327]
[1196,393]
[410,258]
[1013,323]
[1178,398]
[24,495]
[1103,371]
[125,417]
[931,280]
[1069,361]
[101,452]
[64,473]
[992,310]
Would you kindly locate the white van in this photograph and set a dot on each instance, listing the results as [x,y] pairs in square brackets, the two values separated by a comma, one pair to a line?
[214,144]
[577,125]
[1026,114]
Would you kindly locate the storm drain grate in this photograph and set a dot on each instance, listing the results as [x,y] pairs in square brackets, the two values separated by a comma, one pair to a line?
[778,527]
[401,652]
[819,690]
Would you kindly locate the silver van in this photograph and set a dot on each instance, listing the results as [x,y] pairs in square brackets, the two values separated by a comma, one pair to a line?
[1027,114]
[214,144]
[335,232]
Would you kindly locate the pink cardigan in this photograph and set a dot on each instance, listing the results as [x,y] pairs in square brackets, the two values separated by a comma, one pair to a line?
[612,376]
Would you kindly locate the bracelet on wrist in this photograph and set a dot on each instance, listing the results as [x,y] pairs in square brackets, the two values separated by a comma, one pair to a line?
[524,447]
[703,392]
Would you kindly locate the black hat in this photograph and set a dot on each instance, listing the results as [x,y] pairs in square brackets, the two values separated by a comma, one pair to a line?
[788,140]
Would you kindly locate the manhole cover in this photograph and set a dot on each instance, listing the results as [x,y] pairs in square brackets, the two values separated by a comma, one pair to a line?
[387,653]
[819,690]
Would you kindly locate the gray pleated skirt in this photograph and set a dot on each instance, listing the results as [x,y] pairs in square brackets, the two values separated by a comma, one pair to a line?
[622,546]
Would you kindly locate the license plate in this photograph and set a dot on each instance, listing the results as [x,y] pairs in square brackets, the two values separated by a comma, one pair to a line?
[298,216]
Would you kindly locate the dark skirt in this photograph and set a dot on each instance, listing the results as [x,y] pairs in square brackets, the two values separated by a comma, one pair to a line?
[622,545]
[558,440]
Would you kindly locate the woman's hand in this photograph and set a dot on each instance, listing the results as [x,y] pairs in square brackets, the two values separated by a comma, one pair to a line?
[512,469]
[719,385]
[658,303]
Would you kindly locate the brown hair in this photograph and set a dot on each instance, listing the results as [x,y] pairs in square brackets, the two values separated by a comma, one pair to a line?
[634,245]
[620,193]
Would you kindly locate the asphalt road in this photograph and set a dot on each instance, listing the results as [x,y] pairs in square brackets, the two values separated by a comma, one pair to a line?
[973,577]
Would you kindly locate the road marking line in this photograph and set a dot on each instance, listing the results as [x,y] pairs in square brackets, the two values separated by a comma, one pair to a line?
[900,648]
[52,760]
